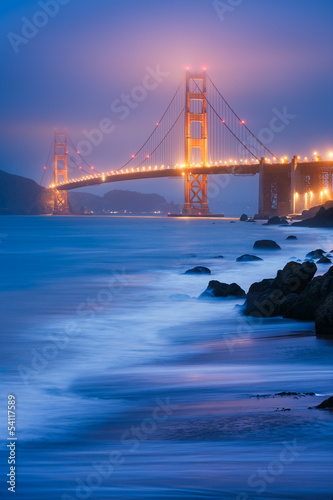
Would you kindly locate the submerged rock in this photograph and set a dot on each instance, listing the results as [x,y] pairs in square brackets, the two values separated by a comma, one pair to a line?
[327,404]
[315,254]
[217,289]
[324,260]
[198,270]
[324,318]
[179,297]
[264,299]
[247,258]
[267,245]
[291,237]
[305,305]
[276,220]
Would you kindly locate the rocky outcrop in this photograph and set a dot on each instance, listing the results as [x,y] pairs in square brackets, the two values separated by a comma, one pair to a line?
[217,289]
[291,237]
[198,270]
[324,218]
[326,405]
[265,298]
[266,245]
[324,318]
[243,218]
[306,304]
[247,258]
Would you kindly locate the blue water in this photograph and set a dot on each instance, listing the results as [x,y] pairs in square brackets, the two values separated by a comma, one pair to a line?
[128,389]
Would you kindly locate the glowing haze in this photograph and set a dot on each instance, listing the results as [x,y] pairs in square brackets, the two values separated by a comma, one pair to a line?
[83,56]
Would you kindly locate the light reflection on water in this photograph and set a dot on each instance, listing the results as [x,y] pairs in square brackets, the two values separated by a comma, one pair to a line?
[110,279]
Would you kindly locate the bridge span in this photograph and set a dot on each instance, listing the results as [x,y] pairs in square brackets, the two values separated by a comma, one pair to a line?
[197,137]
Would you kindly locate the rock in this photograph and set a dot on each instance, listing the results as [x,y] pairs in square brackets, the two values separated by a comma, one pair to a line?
[323,218]
[324,318]
[274,220]
[315,254]
[267,245]
[307,214]
[243,218]
[247,258]
[198,270]
[251,220]
[327,404]
[324,260]
[217,289]
[311,298]
[218,257]
[264,299]
[232,222]
[291,237]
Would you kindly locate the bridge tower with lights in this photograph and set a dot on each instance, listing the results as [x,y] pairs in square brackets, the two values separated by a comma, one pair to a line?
[61,206]
[195,138]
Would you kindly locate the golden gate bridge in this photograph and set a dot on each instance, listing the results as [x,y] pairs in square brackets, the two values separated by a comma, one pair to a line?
[198,135]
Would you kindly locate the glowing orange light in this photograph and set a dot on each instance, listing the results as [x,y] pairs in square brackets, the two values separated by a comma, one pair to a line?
[243,121]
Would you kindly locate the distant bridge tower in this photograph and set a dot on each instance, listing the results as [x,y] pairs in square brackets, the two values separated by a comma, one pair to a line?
[195,138]
[60,173]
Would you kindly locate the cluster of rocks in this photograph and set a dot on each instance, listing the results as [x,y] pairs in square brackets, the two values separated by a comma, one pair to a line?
[295,293]
[323,218]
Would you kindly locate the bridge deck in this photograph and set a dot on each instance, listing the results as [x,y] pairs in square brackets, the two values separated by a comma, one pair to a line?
[153,173]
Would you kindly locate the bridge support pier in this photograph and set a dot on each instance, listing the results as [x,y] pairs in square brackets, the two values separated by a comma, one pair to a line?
[61,206]
[195,138]
[275,189]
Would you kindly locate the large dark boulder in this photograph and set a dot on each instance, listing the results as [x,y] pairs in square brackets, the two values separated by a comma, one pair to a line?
[324,318]
[217,289]
[326,405]
[198,270]
[266,245]
[264,299]
[243,218]
[247,258]
[323,218]
[310,299]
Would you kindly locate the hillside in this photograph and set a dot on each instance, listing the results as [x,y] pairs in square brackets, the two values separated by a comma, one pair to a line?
[22,196]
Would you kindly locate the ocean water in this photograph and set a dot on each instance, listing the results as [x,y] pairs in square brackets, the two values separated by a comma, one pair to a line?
[130,387]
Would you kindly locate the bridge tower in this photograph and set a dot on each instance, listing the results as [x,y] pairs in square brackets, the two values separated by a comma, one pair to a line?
[195,113]
[60,173]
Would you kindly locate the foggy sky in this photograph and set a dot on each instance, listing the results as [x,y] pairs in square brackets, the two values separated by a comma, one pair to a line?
[67,73]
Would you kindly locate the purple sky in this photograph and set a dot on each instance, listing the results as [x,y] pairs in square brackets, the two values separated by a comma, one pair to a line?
[261,55]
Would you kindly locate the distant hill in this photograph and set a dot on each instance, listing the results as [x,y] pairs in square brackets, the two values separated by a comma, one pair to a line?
[22,196]
[120,201]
